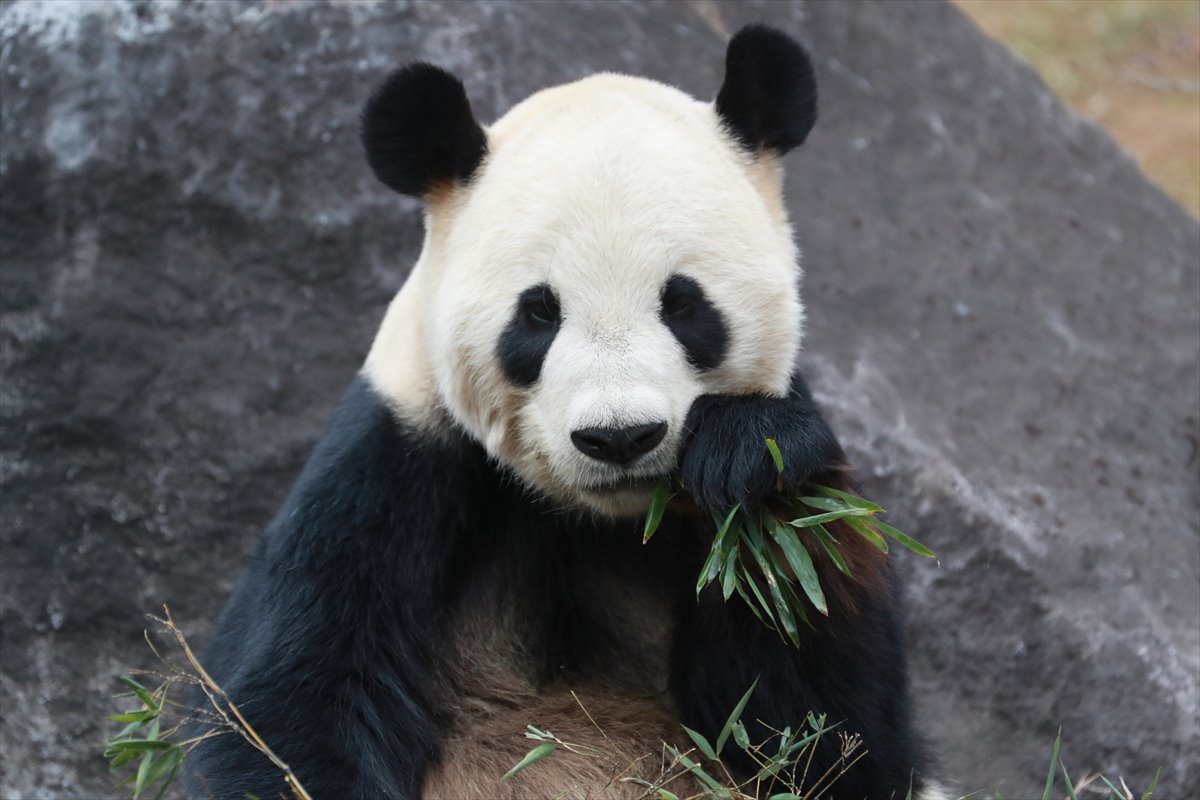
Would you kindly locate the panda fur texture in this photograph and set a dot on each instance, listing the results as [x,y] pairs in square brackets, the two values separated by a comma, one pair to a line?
[608,292]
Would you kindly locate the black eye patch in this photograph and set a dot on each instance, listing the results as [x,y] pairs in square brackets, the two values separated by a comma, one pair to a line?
[530,332]
[694,321]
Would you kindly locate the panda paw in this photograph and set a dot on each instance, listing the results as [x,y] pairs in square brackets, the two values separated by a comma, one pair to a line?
[725,459]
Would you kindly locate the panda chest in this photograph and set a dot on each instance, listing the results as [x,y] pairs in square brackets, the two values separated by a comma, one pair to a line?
[558,609]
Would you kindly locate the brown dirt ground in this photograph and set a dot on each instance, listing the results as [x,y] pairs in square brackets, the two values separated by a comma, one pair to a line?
[1131,65]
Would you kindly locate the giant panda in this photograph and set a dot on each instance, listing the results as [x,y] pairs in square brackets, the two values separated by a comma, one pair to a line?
[608,293]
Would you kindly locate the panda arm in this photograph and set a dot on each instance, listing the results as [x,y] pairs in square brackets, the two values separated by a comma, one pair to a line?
[725,459]
[327,645]
[850,665]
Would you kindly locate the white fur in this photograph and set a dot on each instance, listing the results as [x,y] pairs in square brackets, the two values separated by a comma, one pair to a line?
[602,188]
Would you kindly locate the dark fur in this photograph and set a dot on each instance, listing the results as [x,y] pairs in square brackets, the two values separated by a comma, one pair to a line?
[527,338]
[769,98]
[331,643]
[726,461]
[695,322]
[419,133]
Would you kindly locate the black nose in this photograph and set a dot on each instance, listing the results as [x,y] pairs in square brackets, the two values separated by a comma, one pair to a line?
[619,445]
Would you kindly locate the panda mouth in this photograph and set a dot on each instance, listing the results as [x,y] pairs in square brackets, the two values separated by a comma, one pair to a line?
[632,483]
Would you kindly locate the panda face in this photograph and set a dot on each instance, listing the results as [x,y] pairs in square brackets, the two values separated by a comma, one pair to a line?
[615,256]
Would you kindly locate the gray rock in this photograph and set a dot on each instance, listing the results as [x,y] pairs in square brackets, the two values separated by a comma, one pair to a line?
[1003,327]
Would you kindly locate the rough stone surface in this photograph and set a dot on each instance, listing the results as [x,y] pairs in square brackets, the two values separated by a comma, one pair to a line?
[1003,327]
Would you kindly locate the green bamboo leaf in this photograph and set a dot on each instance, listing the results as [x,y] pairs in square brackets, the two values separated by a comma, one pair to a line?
[163,765]
[757,547]
[1067,778]
[801,563]
[143,716]
[724,537]
[694,768]
[740,737]
[775,455]
[846,497]
[734,717]
[903,538]
[139,782]
[175,759]
[538,735]
[663,794]
[797,607]
[868,533]
[709,571]
[658,505]
[121,758]
[701,743]
[142,692]
[729,573]
[829,544]
[786,796]
[741,591]
[1048,794]
[139,745]
[828,516]
[532,757]
[826,504]
[748,578]
[1153,785]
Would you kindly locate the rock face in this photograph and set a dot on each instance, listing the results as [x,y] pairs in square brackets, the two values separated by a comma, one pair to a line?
[1003,328]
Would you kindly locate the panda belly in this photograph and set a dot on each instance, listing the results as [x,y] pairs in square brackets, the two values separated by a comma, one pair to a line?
[548,629]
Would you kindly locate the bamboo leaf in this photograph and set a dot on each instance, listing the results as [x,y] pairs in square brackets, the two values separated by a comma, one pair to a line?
[903,538]
[801,563]
[848,498]
[750,603]
[139,782]
[762,601]
[828,516]
[170,777]
[709,570]
[868,533]
[826,504]
[658,505]
[139,745]
[1048,794]
[776,456]
[532,757]
[695,769]
[729,577]
[740,737]
[701,743]
[1067,778]
[142,692]
[734,717]
[1153,785]
[829,544]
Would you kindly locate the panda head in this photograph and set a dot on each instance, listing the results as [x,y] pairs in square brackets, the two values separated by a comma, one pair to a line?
[594,261]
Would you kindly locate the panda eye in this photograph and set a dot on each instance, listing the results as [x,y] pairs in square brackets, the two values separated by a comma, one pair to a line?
[675,304]
[540,308]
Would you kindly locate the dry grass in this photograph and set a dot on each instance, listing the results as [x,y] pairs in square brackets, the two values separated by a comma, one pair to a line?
[1131,65]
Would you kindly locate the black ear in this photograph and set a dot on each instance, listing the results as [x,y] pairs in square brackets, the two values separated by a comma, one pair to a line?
[769,98]
[419,132]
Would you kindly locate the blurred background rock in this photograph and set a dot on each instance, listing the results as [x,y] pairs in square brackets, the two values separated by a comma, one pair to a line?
[1003,328]
[1131,65]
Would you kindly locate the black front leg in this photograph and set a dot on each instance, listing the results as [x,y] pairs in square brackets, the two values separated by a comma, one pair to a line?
[726,460]
[850,666]
[327,646]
